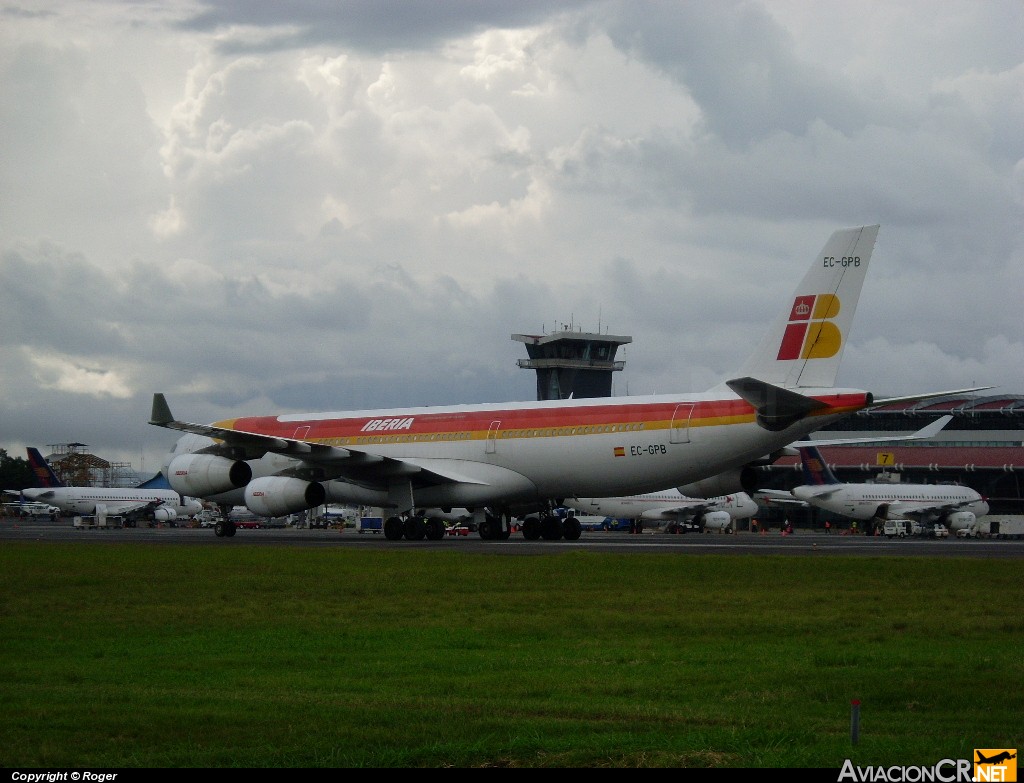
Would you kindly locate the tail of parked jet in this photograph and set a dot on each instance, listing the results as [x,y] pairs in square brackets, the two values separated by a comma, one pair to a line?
[816,471]
[804,346]
[45,477]
[159,481]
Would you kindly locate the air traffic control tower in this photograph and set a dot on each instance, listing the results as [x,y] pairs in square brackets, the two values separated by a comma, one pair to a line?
[571,363]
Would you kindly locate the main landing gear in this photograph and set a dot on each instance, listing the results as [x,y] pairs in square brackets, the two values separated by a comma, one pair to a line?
[491,527]
[550,527]
[414,528]
[224,527]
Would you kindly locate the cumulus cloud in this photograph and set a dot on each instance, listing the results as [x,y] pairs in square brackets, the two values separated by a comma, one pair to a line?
[298,206]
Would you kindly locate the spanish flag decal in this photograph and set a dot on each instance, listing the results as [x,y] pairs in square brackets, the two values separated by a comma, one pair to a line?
[620,451]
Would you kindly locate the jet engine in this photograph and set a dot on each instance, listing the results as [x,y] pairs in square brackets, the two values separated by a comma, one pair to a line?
[718,520]
[202,475]
[163,514]
[737,480]
[959,520]
[277,496]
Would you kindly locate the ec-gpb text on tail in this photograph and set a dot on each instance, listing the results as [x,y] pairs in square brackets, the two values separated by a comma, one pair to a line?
[805,344]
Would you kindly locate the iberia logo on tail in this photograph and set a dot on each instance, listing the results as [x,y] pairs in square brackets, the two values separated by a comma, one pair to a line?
[810,333]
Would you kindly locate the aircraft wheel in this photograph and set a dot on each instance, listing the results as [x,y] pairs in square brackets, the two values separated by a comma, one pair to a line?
[414,529]
[435,529]
[551,528]
[572,529]
[531,528]
[220,530]
[491,529]
[229,528]
[393,529]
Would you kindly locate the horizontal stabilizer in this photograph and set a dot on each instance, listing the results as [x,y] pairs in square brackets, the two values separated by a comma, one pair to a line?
[777,408]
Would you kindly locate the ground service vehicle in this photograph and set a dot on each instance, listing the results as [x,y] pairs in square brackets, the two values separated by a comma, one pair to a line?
[929,530]
[370,525]
[895,528]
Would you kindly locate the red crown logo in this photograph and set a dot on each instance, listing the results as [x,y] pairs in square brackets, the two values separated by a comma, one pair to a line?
[810,333]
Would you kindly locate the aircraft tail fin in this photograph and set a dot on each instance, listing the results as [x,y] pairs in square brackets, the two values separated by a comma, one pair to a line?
[45,477]
[816,470]
[804,346]
[159,481]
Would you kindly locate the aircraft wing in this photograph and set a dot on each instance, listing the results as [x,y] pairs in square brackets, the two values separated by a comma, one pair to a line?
[36,494]
[927,396]
[928,431]
[126,507]
[919,512]
[778,497]
[316,461]
[687,507]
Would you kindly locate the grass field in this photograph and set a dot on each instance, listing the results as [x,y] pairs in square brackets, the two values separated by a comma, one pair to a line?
[140,656]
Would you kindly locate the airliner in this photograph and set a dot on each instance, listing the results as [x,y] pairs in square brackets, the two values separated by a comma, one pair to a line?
[522,459]
[998,758]
[677,508]
[161,505]
[955,506]
[672,507]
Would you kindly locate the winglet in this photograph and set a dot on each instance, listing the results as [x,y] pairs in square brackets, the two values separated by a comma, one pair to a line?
[932,429]
[928,431]
[161,413]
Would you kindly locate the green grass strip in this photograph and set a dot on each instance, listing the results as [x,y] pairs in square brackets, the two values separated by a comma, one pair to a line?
[228,656]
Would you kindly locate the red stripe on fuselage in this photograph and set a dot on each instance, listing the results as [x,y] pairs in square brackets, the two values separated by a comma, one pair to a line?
[654,415]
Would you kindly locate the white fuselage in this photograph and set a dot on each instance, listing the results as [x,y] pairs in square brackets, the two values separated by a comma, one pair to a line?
[668,504]
[482,455]
[864,501]
[86,500]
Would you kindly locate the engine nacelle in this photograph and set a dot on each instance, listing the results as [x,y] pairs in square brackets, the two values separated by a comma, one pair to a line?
[732,481]
[277,496]
[163,514]
[717,520]
[202,475]
[959,520]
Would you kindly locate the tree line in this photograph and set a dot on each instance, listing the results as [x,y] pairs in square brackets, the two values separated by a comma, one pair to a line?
[15,472]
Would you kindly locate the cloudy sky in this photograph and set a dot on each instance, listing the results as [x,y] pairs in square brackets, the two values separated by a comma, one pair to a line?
[260,206]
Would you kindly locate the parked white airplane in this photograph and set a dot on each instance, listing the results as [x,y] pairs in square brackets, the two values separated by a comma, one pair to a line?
[673,508]
[954,506]
[162,505]
[524,458]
